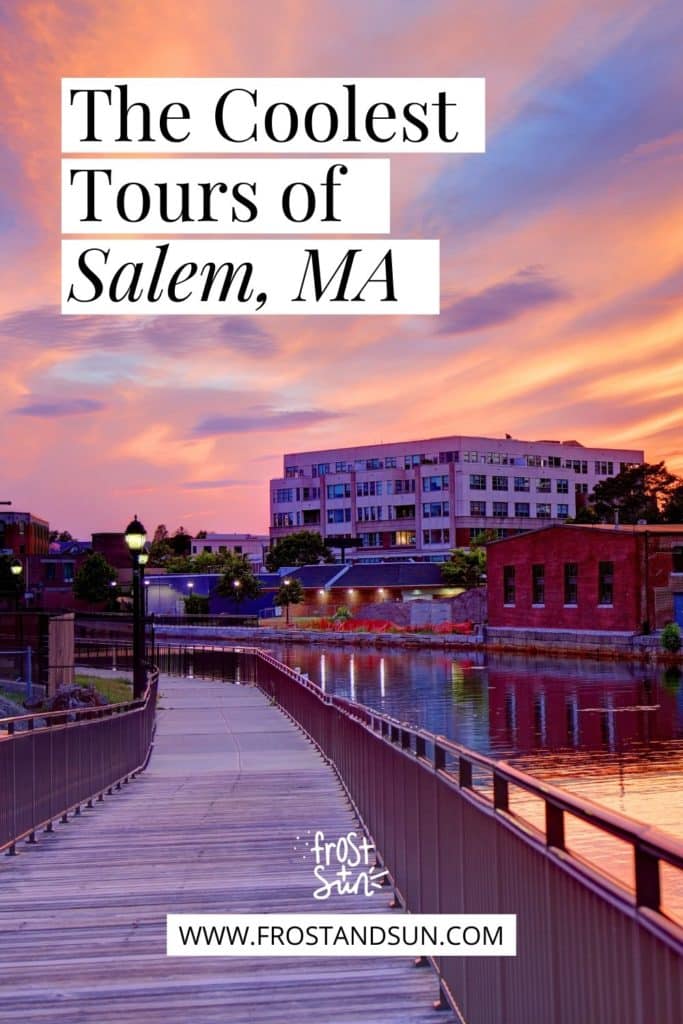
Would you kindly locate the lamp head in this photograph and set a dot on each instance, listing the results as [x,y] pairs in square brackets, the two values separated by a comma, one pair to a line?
[135,535]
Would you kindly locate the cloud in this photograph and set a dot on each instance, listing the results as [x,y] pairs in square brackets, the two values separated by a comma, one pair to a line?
[259,419]
[207,485]
[66,407]
[501,303]
[45,327]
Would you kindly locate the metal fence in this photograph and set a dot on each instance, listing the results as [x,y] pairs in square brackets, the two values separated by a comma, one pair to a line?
[442,817]
[52,763]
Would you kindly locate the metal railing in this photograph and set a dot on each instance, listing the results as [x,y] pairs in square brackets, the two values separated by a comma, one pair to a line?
[442,819]
[51,763]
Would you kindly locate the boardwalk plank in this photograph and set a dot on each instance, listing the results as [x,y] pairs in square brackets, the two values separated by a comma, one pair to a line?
[210,827]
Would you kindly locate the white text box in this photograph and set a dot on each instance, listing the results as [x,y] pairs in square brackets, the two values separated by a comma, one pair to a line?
[225,196]
[244,276]
[273,115]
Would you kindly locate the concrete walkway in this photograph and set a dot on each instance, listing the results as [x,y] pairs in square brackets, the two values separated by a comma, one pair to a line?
[210,827]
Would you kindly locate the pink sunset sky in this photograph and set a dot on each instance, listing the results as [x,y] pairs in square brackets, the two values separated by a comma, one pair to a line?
[561,258]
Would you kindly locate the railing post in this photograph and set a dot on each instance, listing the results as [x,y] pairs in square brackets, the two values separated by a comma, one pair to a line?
[501,796]
[648,890]
[554,825]
[464,773]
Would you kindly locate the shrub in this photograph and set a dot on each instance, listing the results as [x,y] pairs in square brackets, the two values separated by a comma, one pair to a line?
[671,638]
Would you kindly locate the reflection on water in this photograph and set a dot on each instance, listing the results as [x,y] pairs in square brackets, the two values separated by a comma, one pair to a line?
[612,731]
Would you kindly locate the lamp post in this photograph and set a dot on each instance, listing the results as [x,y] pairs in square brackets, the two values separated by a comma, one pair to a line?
[16,568]
[135,537]
[287,583]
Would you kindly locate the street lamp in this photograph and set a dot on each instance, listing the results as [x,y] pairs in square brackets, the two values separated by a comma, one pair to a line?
[287,583]
[136,537]
[16,568]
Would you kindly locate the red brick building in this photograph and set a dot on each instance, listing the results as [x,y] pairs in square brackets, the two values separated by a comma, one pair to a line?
[22,533]
[571,577]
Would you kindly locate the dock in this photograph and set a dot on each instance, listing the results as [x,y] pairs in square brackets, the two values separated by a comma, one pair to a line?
[210,827]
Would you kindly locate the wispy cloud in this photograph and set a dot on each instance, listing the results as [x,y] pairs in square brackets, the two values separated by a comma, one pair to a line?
[44,326]
[210,485]
[47,408]
[260,419]
[501,303]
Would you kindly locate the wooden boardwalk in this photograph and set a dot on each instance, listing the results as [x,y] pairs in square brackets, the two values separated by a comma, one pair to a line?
[210,827]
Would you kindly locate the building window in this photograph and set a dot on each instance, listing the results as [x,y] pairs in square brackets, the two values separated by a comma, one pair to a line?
[404,486]
[543,510]
[435,509]
[403,539]
[604,468]
[322,469]
[390,463]
[521,483]
[339,490]
[371,540]
[477,508]
[477,482]
[543,485]
[283,495]
[500,509]
[283,519]
[435,483]
[606,583]
[499,483]
[51,571]
[369,513]
[445,457]
[571,583]
[522,509]
[538,584]
[509,585]
[436,537]
[338,515]
[401,511]
[562,486]
[563,511]
[677,559]
[68,572]
[311,516]
[368,488]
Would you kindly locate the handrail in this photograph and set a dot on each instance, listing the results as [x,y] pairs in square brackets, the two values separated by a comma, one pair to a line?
[48,770]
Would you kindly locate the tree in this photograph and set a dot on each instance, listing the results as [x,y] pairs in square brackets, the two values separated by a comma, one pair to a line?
[637,492]
[465,566]
[238,581]
[289,592]
[94,579]
[181,542]
[160,534]
[200,535]
[306,547]
[673,509]
[59,536]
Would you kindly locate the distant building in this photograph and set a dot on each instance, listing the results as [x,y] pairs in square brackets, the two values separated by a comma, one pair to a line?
[253,545]
[587,578]
[22,533]
[413,500]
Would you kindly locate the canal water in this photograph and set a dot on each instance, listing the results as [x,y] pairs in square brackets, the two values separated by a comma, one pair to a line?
[612,731]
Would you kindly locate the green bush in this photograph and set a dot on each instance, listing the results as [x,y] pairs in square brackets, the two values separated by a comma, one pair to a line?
[342,614]
[671,638]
